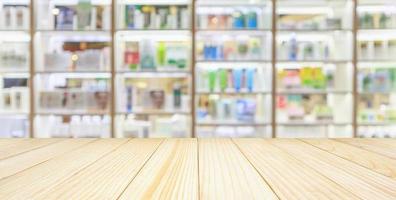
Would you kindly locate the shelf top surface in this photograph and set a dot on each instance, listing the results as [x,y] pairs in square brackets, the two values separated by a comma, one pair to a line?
[190,168]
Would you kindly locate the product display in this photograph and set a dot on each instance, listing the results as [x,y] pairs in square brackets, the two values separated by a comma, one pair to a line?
[156,17]
[376,47]
[151,95]
[332,46]
[229,48]
[307,15]
[230,109]
[153,126]
[81,55]
[14,17]
[218,18]
[300,108]
[305,78]
[82,15]
[377,20]
[14,126]
[73,94]
[74,126]
[147,55]
[14,95]
[14,57]
[231,80]
[197,68]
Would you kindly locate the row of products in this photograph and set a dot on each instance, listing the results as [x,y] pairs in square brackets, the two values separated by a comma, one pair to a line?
[303,50]
[377,80]
[89,95]
[157,17]
[231,18]
[143,95]
[378,107]
[150,55]
[230,48]
[225,109]
[304,108]
[305,78]
[308,22]
[13,56]
[380,49]
[377,131]
[231,80]
[14,126]
[86,60]
[14,95]
[233,132]
[377,20]
[83,16]
[131,126]
[15,17]
[73,126]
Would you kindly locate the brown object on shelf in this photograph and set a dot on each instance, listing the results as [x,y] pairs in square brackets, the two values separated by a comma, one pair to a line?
[197,169]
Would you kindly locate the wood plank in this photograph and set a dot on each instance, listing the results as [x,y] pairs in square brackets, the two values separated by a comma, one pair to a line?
[288,177]
[380,146]
[376,162]
[224,173]
[171,173]
[42,177]
[359,180]
[19,146]
[26,160]
[108,177]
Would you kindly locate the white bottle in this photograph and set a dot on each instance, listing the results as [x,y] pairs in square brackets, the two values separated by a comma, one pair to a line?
[76,128]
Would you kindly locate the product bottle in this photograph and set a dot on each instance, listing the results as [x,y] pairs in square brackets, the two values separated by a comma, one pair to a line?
[177,95]
[223,79]
[161,53]
[293,48]
[250,79]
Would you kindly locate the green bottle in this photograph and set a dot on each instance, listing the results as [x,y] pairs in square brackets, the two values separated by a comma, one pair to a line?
[223,79]
[161,53]
[212,80]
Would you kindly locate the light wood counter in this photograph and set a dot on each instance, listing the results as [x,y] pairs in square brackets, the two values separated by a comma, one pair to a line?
[197,169]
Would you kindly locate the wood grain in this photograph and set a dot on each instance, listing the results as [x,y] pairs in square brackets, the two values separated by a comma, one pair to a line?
[171,173]
[106,178]
[42,177]
[381,146]
[197,169]
[18,146]
[24,161]
[288,177]
[359,180]
[226,174]
[376,162]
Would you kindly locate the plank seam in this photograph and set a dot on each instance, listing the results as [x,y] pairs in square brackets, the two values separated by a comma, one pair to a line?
[59,155]
[199,175]
[35,148]
[307,166]
[75,173]
[380,154]
[138,172]
[345,158]
[254,167]
[319,172]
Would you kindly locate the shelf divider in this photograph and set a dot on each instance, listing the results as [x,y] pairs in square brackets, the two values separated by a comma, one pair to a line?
[32,111]
[274,71]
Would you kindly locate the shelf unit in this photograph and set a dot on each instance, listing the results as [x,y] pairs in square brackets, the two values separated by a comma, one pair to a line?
[15,72]
[371,108]
[376,44]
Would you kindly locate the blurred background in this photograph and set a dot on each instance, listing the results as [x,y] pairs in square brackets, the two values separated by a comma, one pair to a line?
[203,68]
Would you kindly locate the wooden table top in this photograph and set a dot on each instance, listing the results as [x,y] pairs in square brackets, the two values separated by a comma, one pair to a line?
[197,169]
